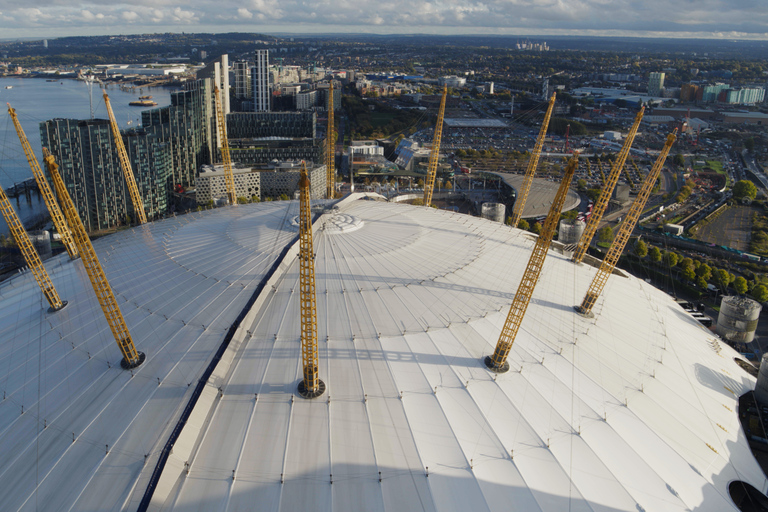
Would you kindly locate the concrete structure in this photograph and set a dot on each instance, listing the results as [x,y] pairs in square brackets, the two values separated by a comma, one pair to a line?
[745,118]
[541,195]
[737,320]
[621,193]
[494,212]
[306,100]
[675,229]
[570,231]
[261,85]
[761,387]
[656,84]
[452,81]
[261,182]
[41,240]
[612,135]
[621,413]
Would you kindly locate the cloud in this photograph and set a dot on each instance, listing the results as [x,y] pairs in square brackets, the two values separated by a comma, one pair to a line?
[649,17]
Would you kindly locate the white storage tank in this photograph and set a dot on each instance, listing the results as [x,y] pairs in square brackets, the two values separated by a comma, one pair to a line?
[41,240]
[570,231]
[494,211]
[737,320]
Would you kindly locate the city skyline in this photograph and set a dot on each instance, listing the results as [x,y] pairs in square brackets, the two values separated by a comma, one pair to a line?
[715,19]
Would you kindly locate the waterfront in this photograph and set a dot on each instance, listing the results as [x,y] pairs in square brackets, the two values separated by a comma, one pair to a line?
[37,100]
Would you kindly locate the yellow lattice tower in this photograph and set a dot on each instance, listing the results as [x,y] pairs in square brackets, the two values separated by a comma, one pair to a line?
[498,361]
[30,254]
[45,190]
[434,155]
[605,194]
[229,177]
[311,386]
[330,148]
[131,357]
[125,165]
[625,231]
[533,162]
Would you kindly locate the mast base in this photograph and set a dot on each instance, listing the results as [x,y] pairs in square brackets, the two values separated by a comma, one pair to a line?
[307,393]
[503,368]
[128,366]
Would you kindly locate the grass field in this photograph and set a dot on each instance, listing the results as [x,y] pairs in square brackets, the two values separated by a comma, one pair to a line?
[379,119]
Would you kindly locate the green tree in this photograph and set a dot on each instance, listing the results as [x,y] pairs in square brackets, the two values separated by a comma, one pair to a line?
[744,188]
[523,224]
[670,259]
[704,271]
[654,254]
[749,144]
[740,285]
[569,215]
[581,184]
[721,278]
[536,228]
[641,249]
[605,234]
[701,283]
[679,160]
[760,293]
[594,193]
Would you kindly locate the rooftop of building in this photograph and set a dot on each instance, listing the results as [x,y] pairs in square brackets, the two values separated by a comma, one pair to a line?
[634,409]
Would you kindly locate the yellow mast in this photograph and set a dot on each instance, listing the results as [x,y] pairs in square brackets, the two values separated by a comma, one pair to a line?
[330,148]
[45,189]
[228,176]
[435,153]
[311,386]
[125,164]
[533,162]
[131,357]
[30,254]
[605,195]
[498,361]
[609,263]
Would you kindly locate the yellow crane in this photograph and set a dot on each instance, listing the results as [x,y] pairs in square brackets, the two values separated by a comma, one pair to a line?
[45,190]
[131,357]
[498,361]
[434,155]
[605,194]
[30,254]
[125,165]
[229,177]
[311,386]
[533,162]
[330,148]
[609,262]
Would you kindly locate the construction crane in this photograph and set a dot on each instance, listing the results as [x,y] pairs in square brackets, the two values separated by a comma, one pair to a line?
[617,247]
[533,162]
[125,165]
[229,177]
[30,254]
[434,155]
[498,361]
[45,190]
[330,148]
[131,357]
[311,386]
[605,194]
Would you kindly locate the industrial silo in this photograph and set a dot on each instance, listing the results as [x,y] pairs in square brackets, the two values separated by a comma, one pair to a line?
[737,320]
[494,211]
[570,231]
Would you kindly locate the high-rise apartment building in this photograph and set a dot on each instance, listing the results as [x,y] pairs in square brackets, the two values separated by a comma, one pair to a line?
[260,80]
[258,125]
[90,169]
[656,84]
[243,83]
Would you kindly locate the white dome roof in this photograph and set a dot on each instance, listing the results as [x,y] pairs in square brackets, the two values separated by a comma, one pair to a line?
[632,410]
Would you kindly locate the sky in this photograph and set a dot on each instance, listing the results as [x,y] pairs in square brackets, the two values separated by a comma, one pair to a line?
[721,19]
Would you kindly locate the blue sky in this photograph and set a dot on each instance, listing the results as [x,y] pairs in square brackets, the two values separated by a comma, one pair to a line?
[746,19]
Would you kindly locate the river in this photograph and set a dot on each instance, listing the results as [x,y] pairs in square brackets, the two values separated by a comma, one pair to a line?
[37,100]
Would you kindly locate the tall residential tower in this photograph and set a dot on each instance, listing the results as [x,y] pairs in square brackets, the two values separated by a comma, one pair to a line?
[260,77]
